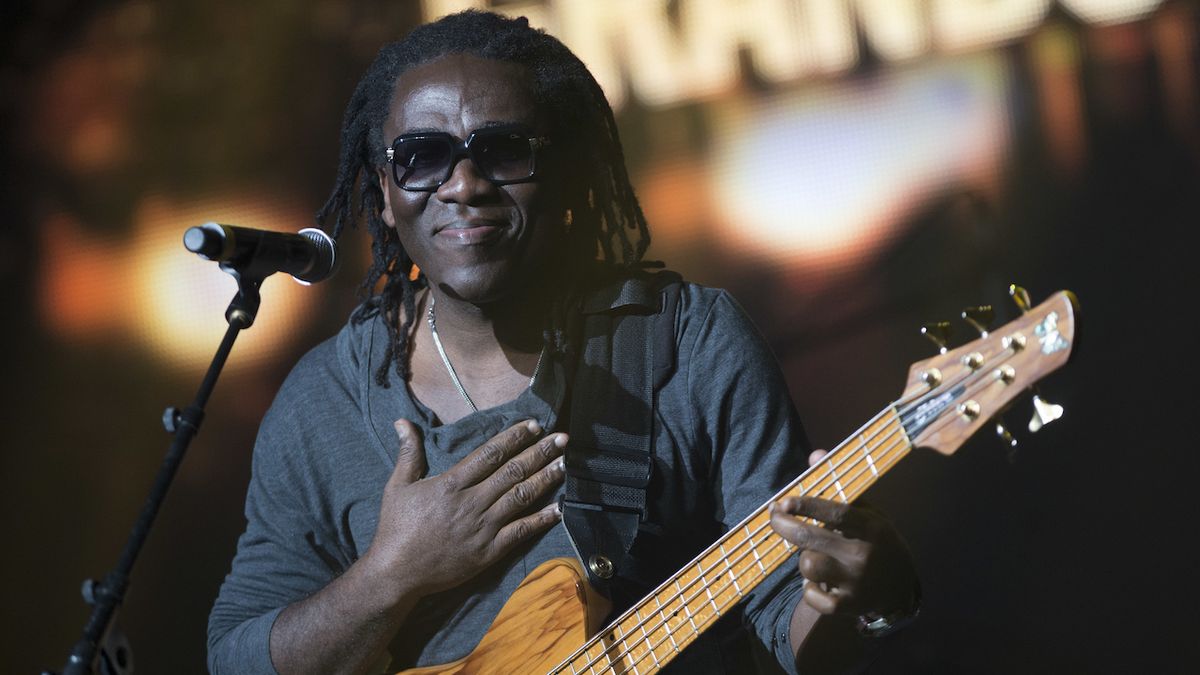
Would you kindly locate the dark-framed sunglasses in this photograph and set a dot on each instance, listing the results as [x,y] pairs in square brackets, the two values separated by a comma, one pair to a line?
[423,161]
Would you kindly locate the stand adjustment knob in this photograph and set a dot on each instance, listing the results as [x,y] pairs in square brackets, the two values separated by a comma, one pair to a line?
[170,419]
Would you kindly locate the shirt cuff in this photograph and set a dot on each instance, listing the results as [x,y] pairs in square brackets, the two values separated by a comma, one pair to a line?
[246,648]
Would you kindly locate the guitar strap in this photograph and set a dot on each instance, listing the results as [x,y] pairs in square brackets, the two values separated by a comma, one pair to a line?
[627,353]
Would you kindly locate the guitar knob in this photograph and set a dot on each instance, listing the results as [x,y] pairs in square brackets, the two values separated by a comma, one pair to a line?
[1044,412]
[1020,296]
[938,333]
[980,318]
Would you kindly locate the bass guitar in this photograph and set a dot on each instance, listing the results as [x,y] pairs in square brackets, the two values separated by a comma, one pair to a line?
[551,622]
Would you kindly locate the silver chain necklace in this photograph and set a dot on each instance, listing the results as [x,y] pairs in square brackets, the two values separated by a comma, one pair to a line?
[437,341]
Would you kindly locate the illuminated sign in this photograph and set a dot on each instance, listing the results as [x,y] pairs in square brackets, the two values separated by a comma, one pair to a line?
[666,57]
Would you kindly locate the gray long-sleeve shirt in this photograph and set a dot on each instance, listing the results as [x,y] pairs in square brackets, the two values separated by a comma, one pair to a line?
[726,438]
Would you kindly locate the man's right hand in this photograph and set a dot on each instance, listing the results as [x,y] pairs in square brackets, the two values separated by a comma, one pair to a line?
[436,533]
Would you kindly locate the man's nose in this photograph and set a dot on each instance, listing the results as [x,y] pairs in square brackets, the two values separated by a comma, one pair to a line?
[466,182]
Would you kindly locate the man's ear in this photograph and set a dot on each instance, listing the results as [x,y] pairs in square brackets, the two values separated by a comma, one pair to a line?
[388,218]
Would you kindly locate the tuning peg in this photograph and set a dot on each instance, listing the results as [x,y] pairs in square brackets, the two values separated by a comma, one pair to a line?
[1020,296]
[938,333]
[1004,434]
[979,318]
[1044,412]
[1007,438]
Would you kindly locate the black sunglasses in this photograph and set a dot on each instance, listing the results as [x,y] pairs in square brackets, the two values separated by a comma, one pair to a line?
[422,161]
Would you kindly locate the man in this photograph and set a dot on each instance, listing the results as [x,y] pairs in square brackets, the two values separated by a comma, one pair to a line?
[407,477]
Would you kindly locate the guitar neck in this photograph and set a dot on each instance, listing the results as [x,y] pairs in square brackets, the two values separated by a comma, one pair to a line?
[655,630]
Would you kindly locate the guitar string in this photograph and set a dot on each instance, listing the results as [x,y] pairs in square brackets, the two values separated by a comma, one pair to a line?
[746,521]
[818,485]
[914,401]
[729,575]
[884,456]
[971,379]
[627,647]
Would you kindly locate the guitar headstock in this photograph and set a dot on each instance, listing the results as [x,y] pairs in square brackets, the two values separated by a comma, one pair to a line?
[952,395]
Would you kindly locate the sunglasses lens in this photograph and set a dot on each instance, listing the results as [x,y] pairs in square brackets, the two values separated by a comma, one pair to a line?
[503,156]
[421,162]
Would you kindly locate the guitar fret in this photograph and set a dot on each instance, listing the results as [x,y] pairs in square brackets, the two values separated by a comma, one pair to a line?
[870,460]
[729,571]
[622,647]
[836,482]
[754,548]
[637,613]
[707,589]
[686,610]
[667,625]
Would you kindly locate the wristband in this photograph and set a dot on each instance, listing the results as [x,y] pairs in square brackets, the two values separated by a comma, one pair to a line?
[877,625]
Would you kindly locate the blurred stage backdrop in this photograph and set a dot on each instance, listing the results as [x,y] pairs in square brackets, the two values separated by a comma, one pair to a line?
[850,169]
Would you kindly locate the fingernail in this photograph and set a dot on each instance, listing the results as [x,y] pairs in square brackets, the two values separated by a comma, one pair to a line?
[560,465]
[533,426]
[560,441]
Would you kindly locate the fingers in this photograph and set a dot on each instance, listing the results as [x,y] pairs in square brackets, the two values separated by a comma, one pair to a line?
[839,516]
[526,494]
[823,599]
[487,458]
[824,569]
[803,535]
[525,528]
[524,479]
[830,586]
[410,460]
[816,456]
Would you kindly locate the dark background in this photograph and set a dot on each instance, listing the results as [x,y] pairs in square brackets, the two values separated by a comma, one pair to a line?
[1075,555]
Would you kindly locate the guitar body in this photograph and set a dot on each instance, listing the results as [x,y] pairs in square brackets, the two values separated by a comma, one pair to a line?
[551,614]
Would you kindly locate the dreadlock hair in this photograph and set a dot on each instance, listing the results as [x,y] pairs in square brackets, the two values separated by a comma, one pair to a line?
[605,214]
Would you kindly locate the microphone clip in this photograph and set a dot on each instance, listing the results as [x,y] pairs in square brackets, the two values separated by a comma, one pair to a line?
[250,256]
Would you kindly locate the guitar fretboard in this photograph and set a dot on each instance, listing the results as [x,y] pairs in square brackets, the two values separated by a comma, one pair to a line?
[652,632]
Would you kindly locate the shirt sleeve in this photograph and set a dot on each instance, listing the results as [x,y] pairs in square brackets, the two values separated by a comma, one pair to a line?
[758,445]
[284,555]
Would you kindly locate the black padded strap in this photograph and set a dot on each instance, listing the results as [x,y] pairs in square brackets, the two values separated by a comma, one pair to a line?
[627,351]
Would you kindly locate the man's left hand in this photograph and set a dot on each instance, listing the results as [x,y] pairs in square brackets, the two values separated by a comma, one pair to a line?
[855,564]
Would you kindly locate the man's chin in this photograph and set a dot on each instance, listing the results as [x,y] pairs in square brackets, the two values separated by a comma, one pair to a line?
[495,287]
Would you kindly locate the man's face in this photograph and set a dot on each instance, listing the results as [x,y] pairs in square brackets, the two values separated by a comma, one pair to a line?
[473,240]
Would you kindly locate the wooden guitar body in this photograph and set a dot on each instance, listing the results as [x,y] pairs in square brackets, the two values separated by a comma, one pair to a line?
[551,614]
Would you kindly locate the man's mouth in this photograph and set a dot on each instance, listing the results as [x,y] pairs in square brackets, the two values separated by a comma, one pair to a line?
[472,232]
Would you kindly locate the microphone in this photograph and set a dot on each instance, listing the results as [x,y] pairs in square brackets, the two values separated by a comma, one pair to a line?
[308,256]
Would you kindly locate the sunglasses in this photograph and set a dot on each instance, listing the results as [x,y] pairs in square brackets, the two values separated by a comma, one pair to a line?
[423,161]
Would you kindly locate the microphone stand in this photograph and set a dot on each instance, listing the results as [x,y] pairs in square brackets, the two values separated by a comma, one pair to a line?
[115,657]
